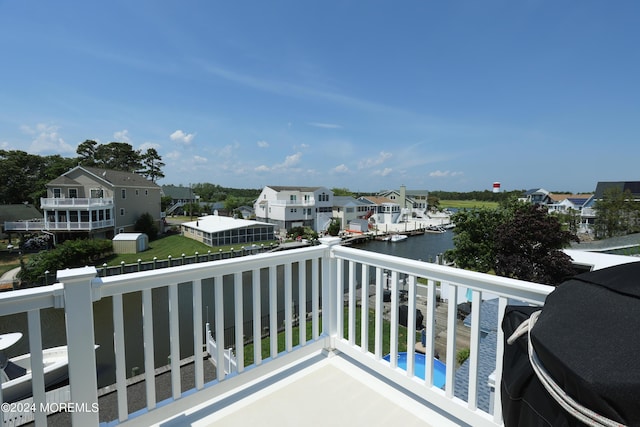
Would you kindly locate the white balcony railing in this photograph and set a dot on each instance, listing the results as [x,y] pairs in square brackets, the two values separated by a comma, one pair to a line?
[31,225]
[292,203]
[69,202]
[38,225]
[324,281]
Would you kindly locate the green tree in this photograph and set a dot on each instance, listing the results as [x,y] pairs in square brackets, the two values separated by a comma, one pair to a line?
[152,165]
[528,246]
[334,227]
[616,214]
[474,244]
[146,224]
[118,156]
[86,152]
[342,192]
[517,240]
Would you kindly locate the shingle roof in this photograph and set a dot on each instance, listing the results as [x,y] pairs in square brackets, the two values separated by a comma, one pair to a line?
[118,178]
[18,212]
[633,186]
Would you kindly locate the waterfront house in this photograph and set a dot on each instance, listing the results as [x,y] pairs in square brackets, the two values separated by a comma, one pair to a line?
[287,207]
[415,200]
[92,202]
[347,209]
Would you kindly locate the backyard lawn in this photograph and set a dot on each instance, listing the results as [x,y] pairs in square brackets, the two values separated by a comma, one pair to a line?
[174,245]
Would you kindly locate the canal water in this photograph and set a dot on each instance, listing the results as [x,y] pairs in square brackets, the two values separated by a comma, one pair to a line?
[422,247]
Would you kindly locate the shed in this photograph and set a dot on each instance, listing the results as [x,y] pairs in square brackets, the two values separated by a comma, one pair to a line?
[130,243]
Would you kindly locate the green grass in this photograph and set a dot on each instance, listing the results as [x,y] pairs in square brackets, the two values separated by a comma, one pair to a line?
[467,204]
[386,334]
[174,245]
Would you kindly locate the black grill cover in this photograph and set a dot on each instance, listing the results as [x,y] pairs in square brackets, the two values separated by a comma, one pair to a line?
[588,339]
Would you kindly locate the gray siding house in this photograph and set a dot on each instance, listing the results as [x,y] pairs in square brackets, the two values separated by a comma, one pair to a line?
[96,202]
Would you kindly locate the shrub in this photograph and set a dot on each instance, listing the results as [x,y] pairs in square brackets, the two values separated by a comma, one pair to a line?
[70,254]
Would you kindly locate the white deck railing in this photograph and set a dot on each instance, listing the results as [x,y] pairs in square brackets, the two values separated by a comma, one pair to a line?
[63,202]
[325,289]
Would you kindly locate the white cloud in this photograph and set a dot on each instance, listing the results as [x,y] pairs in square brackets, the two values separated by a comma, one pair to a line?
[199,159]
[180,136]
[145,146]
[441,174]
[262,168]
[341,168]
[47,139]
[374,161]
[291,160]
[122,136]
[383,172]
[263,144]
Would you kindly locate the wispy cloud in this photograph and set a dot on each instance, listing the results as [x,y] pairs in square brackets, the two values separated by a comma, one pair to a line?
[325,125]
[182,137]
[374,161]
[383,172]
[263,144]
[443,174]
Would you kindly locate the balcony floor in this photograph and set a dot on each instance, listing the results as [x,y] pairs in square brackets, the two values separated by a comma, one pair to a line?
[321,391]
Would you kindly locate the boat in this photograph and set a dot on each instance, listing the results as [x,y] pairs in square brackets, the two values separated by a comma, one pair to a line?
[398,238]
[16,372]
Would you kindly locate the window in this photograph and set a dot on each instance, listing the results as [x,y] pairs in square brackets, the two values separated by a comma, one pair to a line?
[123,192]
[97,193]
[293,197]
[57,193]
[137,192]
[73,193]
[121,211]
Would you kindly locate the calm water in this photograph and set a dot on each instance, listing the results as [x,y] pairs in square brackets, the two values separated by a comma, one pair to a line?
[423,247]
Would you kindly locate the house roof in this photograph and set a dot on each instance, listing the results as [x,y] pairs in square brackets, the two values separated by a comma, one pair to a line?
[632,186]
[347,200]
[574,198]
[18,212]
[376,200]
[292,188]
[178,192]
[110,177]
[216,223]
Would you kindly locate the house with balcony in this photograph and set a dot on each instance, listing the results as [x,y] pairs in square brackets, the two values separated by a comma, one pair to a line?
[94,202]
[348,210]
[287,207]
[414,200]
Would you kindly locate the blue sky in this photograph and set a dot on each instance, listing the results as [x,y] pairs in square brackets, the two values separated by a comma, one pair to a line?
[367,95]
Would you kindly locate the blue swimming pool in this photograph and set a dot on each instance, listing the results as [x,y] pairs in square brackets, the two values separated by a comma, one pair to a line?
[439,368]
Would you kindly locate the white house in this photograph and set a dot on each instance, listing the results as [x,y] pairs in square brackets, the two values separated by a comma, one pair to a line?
[288,207]
[348,209]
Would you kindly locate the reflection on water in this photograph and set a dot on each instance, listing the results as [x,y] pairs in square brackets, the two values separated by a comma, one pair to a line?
[423,247]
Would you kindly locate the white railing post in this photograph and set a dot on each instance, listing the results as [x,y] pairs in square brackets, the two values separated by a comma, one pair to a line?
[83,383]
[329,289]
